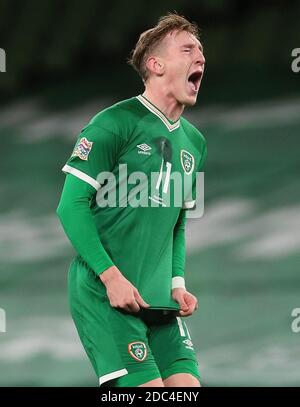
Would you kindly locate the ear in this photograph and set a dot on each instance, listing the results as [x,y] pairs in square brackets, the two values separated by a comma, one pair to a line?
[155,65]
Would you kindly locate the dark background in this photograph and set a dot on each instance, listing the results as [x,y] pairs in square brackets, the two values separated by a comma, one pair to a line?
[59,42]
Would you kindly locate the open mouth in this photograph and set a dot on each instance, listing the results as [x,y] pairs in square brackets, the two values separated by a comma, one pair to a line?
[194,80]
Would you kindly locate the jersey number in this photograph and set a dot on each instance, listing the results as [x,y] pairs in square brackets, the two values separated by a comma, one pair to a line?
[167,179]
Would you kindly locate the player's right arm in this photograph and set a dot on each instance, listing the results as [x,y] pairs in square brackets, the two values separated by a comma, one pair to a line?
[96,151]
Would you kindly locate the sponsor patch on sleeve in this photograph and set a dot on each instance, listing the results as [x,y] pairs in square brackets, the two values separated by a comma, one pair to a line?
[82,149]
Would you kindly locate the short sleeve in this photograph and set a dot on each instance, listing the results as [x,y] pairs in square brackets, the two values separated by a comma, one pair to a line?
[96,150]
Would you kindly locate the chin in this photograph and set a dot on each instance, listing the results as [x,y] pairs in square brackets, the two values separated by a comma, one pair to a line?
[190,100]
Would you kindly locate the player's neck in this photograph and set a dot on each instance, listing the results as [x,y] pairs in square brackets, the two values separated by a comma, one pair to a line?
[168,105]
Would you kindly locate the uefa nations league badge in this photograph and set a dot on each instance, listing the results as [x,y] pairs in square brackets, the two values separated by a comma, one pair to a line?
[82,149]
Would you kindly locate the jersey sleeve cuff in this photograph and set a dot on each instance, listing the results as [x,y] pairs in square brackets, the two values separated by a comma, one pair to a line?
[178,282]
[81,175]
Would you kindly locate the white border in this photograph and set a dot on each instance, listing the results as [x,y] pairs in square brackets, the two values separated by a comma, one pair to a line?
[81,175]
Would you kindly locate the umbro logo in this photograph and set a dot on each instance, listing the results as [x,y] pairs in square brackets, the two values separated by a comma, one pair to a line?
[188,343]
[144,149]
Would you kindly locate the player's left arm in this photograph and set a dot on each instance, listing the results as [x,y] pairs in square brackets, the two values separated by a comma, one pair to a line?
[187,301]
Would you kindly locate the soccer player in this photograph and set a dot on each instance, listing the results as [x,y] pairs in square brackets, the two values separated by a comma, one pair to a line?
[126,284]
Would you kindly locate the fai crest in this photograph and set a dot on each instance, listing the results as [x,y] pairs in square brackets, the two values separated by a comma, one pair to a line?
[187,161]
[82,149]
[137,350]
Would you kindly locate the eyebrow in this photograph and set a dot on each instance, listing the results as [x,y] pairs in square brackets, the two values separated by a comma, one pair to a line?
[192,46]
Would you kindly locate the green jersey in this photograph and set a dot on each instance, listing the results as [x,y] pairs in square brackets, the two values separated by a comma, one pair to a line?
[143,169]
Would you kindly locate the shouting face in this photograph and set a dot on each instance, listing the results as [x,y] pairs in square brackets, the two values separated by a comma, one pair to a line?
[182,65]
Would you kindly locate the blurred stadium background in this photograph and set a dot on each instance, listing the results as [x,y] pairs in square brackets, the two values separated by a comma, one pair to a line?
[66,60]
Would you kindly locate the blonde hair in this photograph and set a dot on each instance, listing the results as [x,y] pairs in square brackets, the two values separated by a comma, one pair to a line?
[150,39]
